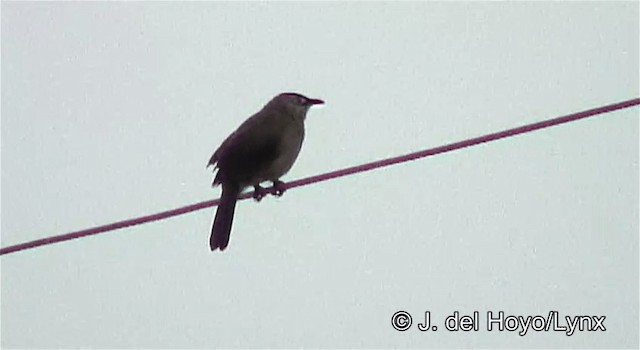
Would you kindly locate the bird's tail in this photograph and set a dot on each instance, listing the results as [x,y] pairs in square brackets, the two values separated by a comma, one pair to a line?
[221,228]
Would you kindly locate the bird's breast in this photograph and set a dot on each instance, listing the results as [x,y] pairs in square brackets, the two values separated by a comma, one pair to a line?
[289,148]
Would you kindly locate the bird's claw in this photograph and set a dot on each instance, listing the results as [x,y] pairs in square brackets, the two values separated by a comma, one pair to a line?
[259,193]
[279,188]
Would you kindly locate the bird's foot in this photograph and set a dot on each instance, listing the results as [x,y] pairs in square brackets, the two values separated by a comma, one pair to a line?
[279,188]
[259,192]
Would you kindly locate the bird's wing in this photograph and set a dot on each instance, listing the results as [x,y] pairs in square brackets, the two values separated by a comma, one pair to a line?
[254,145]
[252,124]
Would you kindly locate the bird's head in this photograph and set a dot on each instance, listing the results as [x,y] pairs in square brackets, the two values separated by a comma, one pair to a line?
[295,103]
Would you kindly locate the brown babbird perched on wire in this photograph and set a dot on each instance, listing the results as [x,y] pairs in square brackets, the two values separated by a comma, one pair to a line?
[263,148]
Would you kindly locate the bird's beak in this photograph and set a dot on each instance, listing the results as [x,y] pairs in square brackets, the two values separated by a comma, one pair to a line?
[315,101]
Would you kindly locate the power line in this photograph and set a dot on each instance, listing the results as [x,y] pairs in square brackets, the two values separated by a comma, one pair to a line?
[330,175]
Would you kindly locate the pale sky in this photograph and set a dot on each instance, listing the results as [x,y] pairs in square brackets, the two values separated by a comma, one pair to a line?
[111,111]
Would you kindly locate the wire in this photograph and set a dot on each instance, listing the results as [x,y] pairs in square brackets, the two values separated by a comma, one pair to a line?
[330,175]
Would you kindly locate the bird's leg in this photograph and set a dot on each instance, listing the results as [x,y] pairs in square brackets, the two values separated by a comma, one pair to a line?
[279,188]
[258,192]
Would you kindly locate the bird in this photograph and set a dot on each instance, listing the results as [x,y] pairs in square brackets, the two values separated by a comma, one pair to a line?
[263,148]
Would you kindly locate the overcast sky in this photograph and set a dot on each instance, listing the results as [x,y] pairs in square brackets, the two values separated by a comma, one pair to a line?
[111,111]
